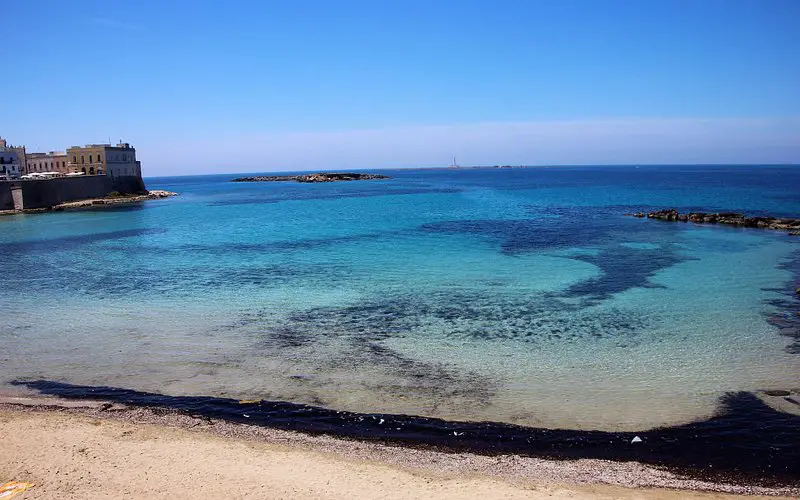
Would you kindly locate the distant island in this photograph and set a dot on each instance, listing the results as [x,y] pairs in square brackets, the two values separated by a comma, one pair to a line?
[319,177]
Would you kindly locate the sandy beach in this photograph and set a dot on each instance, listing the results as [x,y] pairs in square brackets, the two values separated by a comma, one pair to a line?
[96,450]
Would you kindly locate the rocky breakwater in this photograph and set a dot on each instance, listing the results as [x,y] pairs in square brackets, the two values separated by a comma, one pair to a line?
[310,178]
[792,226]
[115,199]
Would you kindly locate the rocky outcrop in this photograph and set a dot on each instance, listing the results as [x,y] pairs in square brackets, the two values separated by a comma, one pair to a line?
[156,194]
[115,199]
[792,226]
[319,177]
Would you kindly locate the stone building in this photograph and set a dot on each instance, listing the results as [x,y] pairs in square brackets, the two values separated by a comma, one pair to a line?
[99,159]
[19,150]
[53,161]
[22,154]
[9,161]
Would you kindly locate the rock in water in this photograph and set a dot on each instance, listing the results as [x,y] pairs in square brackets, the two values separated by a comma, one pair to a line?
[312,178]
[792,226]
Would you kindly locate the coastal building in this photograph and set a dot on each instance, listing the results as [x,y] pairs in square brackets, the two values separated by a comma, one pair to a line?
[19,150]
[32,181]
[22,155]
[9,162]
[9,165]
[46,162]
[100,159]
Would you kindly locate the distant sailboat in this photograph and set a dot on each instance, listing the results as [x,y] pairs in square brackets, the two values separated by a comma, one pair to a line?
[454,165]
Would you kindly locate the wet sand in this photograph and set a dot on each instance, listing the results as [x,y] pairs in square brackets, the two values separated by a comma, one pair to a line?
[98,450]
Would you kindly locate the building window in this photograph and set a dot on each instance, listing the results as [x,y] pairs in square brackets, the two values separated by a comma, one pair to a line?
[91,170]
[74,159]
[82,162]
[124,157]
[83,170]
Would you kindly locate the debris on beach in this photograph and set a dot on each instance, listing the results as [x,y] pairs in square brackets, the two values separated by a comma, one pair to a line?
[12,488]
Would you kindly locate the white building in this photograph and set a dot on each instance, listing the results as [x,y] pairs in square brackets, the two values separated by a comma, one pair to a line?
[9,162]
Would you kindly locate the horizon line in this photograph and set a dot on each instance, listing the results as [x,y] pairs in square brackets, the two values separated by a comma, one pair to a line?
[486,167]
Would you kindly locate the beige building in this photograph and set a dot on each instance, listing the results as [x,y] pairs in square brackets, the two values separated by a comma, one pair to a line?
[104,159]
[53,161]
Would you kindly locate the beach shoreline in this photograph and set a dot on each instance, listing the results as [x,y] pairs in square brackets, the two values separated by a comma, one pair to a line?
[90,448]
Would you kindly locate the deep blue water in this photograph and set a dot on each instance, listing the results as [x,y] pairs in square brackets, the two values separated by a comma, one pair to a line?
[513,295]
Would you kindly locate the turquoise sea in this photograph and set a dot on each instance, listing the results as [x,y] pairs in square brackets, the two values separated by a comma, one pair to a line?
[521,296]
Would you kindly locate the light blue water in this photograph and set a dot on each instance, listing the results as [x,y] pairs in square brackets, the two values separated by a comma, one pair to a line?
[522,296]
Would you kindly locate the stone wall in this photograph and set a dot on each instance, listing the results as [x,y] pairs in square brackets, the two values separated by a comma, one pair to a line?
[16,195]
[51,192]
[128,184]
[6,200]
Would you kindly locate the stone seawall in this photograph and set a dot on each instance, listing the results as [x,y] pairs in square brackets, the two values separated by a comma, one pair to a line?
[52,192]
[6,200]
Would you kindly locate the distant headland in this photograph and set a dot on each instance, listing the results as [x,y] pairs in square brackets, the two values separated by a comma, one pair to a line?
[318,177]
[95,175]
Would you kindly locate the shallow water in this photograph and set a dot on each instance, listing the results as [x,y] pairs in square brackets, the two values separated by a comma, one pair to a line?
[519,296]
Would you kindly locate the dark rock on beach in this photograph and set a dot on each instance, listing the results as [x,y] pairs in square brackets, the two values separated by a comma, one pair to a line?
[319,177]
[792,226]
[777,393]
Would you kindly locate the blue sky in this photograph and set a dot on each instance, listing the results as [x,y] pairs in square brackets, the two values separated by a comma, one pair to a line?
[239,86]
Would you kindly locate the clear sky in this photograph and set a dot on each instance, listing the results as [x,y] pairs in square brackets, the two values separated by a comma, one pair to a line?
[208,86]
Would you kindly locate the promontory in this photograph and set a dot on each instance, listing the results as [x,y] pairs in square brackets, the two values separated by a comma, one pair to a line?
[319,177]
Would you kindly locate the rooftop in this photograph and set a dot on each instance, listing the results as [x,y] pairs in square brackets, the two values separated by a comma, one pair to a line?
[50,153]
[121,145]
